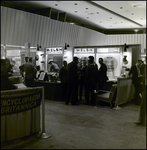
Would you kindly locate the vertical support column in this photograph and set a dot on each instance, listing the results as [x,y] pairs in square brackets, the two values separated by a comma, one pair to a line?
[45,60]
[43,134]
[27,49]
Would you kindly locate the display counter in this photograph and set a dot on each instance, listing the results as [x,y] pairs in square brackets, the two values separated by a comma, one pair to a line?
[20,112]
[125,90]
[16,79]
[52,91]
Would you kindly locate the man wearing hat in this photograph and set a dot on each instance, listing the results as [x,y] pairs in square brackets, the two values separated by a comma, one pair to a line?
[53,66]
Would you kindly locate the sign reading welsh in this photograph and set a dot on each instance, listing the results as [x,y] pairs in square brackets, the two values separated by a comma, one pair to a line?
[84,50]
[54,50]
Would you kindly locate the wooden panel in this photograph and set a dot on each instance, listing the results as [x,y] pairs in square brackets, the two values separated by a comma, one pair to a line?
[125,91]
[18,27]
[3,128]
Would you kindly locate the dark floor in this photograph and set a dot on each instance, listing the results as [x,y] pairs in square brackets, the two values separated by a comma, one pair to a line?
[86,127]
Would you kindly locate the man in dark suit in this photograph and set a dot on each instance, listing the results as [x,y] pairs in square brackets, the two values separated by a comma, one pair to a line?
[91,78]
[136,81]
[142,68]
[72,80]
[63,78]
[102,74]
[142,113]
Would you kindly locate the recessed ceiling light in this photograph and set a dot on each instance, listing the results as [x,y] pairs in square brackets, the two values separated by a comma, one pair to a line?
[86,8]
[91,14]
[137,5]
[116,23]
[56,4]
[75,4]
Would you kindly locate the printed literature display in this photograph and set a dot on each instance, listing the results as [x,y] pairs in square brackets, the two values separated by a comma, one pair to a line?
[42,75]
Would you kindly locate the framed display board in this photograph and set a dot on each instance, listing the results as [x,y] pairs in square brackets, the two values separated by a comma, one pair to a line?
[41,77]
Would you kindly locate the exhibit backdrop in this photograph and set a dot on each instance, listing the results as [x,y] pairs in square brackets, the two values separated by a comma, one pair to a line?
[112,60]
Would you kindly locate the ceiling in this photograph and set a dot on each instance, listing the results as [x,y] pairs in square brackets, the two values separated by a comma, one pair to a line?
[108,17]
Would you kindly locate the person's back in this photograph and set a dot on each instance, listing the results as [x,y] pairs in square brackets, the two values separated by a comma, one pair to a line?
[6,84]
[30,73]
[91,76]
[91,79]
[72,73]
[63,72]
[102,74]
[72,80]
[28,69]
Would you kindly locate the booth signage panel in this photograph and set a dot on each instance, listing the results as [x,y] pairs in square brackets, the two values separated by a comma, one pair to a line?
[11,105]
[54,50]
[108,50]
[12,53]
[83,50]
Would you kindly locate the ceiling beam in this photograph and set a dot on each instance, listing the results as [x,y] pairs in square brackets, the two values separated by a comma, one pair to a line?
[108,10]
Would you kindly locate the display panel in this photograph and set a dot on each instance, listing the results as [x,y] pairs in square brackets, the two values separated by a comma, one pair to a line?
[40,60]
[112,61]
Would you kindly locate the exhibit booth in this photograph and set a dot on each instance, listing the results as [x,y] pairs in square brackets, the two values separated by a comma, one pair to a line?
[117,60]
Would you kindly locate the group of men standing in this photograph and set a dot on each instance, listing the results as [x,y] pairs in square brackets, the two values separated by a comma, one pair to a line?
[87,76]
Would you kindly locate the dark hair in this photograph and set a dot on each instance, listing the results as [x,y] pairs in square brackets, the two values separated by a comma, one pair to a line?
[26,59]
[3,62]
[30,59]
[75,58]
[64,61]
[91,57]
[91,61]
[38,67]
[101,59]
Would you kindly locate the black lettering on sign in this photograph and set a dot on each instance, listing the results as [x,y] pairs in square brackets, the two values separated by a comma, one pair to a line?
[20,104]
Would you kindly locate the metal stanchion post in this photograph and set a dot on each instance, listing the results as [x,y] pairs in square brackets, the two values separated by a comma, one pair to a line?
[43,134]
[117,107]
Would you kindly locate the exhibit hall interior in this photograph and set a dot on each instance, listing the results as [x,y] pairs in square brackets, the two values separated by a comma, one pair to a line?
[73,75]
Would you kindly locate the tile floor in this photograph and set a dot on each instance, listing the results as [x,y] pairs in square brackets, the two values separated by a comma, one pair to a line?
[86,127]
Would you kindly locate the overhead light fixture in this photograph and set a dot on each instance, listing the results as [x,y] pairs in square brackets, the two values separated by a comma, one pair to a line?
[136,30]
[38,47]
[125,47]
[66,45]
